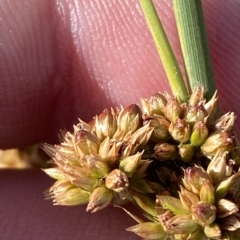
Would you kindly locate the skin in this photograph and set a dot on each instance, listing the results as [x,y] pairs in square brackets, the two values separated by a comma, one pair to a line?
[61,60]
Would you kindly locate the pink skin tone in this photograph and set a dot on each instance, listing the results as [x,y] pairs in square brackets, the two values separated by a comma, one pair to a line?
[61,60]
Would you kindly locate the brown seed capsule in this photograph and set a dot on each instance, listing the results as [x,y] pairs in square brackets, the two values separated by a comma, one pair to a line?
[225,208]
[109,150]
[222,141]
[128,121]
[203,213]
[86,143]
[217,167]
[180,224]
[95,166]
[105,124]
[173,109]
[197,96]
[157,104]
[211,107]
[195,113]
[160,125]
[194,178]
[224,123]
[117,180]
[187,198]
[164,151]
[180,130]
[230,223]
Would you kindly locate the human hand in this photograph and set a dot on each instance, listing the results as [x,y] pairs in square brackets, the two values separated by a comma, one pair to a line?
[68,59]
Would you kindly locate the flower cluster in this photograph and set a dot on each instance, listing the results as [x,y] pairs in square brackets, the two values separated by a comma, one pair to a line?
[176,161]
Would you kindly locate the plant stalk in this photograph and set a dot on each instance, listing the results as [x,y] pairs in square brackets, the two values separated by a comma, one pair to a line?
[165,51]
[194,44]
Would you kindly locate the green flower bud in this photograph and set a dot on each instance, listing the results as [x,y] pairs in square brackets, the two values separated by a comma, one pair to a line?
[86,143]
[87,183]
[197,96]
[187,198]
[55,173]
[117,180]
[171,203]
[180,236]
[129,164]
[148,230]
[105,124]
[140,171]
[225,208]
[96,167]
[160,125]
[195,113]
[225,185]
[100,198]
[164,151]
[217,141]
[142,186]
[65,193]
[217,168]
[180,130]
[199,134]
[213,231]
[173,109]
[145,203]
[128,121]
[203,213]
[194,178]
[73,197]
[186,151]
[180,224]
[197,235]
[207,193]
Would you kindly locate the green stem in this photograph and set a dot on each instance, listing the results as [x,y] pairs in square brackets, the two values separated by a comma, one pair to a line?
[194,44]
[165,51]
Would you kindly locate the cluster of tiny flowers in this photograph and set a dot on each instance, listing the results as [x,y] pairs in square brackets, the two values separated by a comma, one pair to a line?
[178,162]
